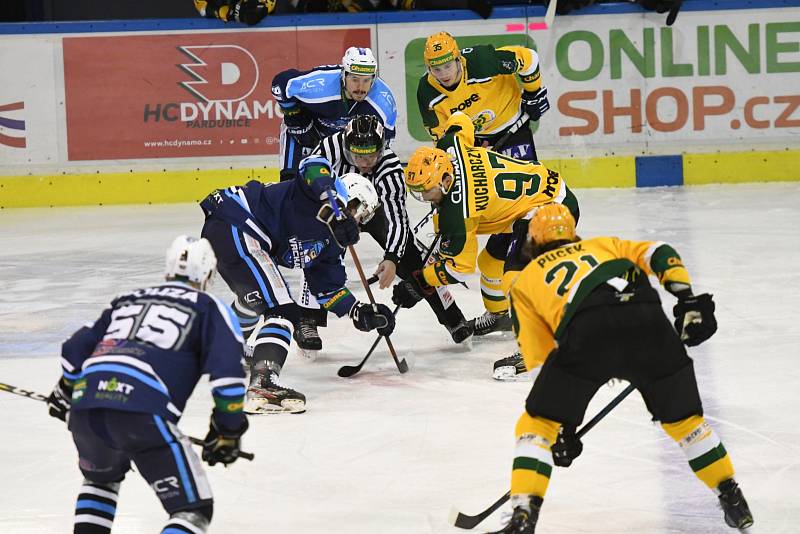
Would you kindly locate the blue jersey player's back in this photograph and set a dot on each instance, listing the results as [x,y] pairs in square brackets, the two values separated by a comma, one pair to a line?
[125,382]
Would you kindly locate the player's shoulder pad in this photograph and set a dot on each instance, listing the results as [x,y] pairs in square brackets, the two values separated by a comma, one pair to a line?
[318,85]
[381,98]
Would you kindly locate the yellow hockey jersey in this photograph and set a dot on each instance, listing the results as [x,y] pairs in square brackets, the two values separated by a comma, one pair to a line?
[547,292]
[489,193]
[488,91]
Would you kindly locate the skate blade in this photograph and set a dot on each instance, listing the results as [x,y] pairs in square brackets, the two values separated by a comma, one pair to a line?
[264,407]
[465,345]
[308,354]
[508,373]
[497,334]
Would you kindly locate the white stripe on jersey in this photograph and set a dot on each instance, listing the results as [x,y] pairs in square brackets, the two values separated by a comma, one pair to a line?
[227,381]
[387,177]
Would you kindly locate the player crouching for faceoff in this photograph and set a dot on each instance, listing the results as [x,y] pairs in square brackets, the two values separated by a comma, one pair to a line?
[254,229]
[362,148]
[476,191]
[586,309]
[126,380]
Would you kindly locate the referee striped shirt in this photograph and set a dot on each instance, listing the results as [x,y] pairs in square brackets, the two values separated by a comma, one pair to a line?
[387,177]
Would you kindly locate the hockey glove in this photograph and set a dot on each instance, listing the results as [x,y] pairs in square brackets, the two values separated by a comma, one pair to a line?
[250,12]
[407,293]
[60,400]
[535,104]
[567,447]
[694,318]
[368,317]
[221,445]
[345,230]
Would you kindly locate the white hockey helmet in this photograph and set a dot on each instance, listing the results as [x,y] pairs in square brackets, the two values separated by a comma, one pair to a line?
[361,196]
[359,61]
[191,259]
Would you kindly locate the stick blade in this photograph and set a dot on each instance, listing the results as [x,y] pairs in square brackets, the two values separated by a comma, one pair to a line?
[402,366]
[346,371]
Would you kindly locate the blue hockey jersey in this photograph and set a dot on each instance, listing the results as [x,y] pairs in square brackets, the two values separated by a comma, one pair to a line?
[283,218]
[148,350]
[317,96]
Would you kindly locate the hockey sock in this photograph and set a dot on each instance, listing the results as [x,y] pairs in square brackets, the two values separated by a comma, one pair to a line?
[247,318]
[707,456]
[494,299]
[533,461]
[96,507]
[272,342]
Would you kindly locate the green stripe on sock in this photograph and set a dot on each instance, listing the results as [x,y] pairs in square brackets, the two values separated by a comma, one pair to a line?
[703,461]
[531,464]
[494,298]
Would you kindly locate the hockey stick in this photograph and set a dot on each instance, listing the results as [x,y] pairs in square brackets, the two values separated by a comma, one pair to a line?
[673,12]
[550,14]
[39,397]
[467,522]
[346,371]
[402,365]
[522,120]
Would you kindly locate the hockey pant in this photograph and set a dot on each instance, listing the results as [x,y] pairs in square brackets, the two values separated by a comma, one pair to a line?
[263,304]
[108,441]
[441,301]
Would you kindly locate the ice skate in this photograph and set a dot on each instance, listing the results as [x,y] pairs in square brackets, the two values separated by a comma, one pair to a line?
[510,368]
[491,322]
[306,335]
[523,521]
[737,513]
[461,332]
[266,395]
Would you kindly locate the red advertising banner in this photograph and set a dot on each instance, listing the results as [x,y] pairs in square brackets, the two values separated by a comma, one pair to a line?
[185,95]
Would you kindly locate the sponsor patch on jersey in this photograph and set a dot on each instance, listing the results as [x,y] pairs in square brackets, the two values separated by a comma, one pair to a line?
[78,389]
[113,390]
[483,118]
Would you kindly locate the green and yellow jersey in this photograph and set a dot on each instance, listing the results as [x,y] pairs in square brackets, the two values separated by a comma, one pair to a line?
[547,292]
[489,193]
[488,91]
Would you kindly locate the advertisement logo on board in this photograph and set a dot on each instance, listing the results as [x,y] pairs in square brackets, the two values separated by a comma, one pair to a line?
[12,127]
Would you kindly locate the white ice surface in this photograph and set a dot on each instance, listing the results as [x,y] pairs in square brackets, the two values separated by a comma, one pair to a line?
[384,453]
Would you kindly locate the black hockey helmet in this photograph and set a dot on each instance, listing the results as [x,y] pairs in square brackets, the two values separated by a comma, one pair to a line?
[363,141]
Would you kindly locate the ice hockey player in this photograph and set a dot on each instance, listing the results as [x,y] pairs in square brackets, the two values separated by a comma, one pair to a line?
[248,12]
[481,81]
[586,309]
[126,379]
[319,102]
[254,229]
[476,192]
[361,148]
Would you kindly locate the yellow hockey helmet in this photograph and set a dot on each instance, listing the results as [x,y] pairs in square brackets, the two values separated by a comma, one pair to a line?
[439,49]
[552,222]
[426,168]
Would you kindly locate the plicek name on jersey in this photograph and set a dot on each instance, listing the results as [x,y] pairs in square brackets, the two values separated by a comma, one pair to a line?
[480,184]
[561,252]
[173,292]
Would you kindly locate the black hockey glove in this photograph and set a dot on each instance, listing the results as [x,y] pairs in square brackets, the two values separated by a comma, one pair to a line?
[407,293]
[222,445]
[60,400]
[345,229]
[535,104]
[567,447]
[250,12]
[368,317]
[694,318]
